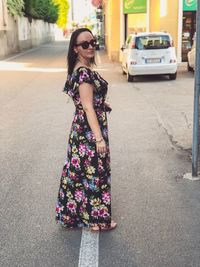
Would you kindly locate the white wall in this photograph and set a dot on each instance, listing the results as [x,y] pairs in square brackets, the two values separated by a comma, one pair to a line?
[3,15]
[34,33]
[18,33]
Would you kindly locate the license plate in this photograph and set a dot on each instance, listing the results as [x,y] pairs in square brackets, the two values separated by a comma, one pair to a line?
[153,60]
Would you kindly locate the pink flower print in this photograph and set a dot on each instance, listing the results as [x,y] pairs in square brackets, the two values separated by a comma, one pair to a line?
[83,76]
[95,213]
[108,160]
[87,163]
[75,162]
[99,113]
[86,185]
[62,195]
[72,206]
[58,209]
[82,150]
[90,153]
[66,218]
[85,200]
[100,168]
[96,181]
[101,212]
[64,173]
[81,210]
[80,113]
[67,164]
[106,197]
[72,175]
[78,195]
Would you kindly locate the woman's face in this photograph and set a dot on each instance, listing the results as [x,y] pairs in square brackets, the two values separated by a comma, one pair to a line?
[84,38]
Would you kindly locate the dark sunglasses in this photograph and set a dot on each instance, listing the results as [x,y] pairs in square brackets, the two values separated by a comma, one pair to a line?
[86,44]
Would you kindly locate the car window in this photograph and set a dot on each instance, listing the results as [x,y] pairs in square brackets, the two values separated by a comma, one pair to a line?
[153,42]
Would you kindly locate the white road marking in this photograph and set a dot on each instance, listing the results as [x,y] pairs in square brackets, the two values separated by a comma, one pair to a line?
[21,54]
[89,249]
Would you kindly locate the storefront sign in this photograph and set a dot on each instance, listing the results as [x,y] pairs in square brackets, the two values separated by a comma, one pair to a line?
[189,5]
[135,6]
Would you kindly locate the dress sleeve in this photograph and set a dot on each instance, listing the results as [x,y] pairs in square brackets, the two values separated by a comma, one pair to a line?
[81,75]
[84,76]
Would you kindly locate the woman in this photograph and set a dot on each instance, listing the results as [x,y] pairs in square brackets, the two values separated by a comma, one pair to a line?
[84,198]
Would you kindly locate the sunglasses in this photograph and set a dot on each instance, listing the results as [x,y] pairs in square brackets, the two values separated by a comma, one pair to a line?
[86,44]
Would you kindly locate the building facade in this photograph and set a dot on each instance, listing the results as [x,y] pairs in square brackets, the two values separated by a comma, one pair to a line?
[178,17]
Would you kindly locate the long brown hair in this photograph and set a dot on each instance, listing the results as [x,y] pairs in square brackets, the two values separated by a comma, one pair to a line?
[72,56]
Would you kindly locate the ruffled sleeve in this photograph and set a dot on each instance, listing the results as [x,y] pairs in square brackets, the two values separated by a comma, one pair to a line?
[84,75]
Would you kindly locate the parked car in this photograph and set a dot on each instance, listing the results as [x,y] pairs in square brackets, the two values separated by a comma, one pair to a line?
[191,57]
[149,53]
[186,47]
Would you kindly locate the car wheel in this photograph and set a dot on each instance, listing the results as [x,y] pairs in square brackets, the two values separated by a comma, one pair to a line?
[173,76]
[189,68]
[130,78]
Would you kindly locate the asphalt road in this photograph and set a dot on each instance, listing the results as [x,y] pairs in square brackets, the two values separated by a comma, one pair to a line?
[150,129]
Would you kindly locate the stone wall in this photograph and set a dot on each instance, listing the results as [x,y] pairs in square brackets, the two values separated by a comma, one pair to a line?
[17,34]
[34,33]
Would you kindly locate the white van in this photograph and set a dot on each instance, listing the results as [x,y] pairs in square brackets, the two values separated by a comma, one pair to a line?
[149,53]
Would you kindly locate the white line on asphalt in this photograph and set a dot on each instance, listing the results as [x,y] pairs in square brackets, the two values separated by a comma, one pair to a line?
[20,54]
[89,249]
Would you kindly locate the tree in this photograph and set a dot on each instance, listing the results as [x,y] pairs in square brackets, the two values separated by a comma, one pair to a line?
[63,8]
[41,9]
[15,7]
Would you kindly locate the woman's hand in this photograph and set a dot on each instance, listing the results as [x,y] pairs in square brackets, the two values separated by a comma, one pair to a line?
[101,146]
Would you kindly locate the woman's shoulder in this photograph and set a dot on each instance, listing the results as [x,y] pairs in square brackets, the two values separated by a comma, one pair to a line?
[82,74]
[82,68]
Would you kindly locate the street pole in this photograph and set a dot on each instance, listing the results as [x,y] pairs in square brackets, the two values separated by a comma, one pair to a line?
[196,130]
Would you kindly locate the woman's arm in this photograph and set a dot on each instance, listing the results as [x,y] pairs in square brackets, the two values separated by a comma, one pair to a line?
[86,96]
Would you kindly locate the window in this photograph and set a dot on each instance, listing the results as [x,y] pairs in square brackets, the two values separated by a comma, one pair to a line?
[152,42]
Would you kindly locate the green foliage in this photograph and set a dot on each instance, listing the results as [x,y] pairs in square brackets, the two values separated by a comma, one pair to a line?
[48,10]
[15,7]
[41,9]
[63,8]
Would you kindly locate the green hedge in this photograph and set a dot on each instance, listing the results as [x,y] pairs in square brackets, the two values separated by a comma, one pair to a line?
[53,11]
[41,9]
[15,7]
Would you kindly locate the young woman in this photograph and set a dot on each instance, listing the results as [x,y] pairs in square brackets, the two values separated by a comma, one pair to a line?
[84,197]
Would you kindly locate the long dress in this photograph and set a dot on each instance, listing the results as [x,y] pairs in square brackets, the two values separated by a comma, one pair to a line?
[84,197]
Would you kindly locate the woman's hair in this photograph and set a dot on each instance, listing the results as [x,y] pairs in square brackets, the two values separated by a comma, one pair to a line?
[72,56]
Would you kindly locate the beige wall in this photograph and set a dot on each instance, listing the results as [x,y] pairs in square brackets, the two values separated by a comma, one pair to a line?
[3,15]
[154,16]
[112,28]
[169,22]
[164,17]
[136,23]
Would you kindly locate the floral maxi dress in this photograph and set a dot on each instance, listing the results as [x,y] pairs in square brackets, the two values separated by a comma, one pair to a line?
[84,197]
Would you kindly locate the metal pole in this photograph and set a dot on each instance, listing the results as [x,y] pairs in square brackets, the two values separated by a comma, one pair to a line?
[195,146]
